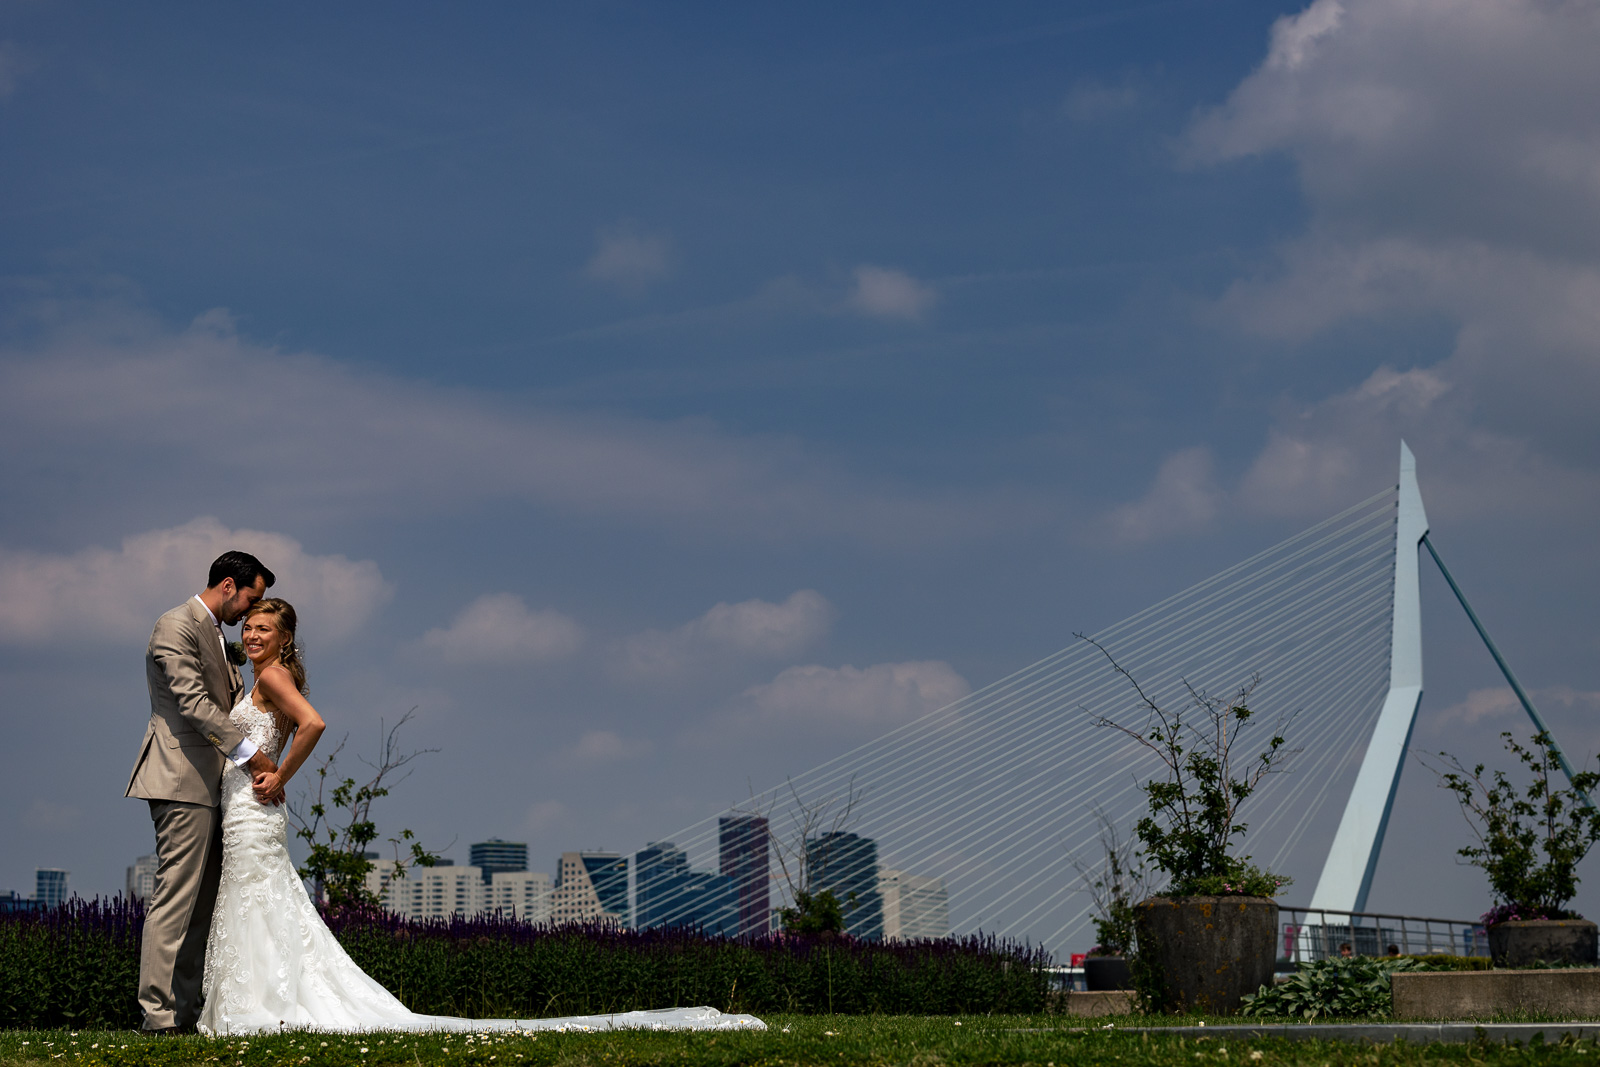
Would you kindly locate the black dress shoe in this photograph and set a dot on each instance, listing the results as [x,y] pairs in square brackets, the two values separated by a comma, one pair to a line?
[165,1031]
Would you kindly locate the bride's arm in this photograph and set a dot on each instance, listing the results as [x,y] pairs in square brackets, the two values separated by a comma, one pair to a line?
[276,682]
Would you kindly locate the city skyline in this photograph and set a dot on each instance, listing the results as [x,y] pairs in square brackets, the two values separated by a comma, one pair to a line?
[668,402]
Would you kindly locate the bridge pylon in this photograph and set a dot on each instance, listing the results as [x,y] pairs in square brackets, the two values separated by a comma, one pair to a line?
[1347,872]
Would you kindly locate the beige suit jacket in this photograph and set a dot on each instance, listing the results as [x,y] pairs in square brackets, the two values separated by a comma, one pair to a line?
[192,689]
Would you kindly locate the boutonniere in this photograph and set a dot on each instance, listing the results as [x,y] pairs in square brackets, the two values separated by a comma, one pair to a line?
[236,654]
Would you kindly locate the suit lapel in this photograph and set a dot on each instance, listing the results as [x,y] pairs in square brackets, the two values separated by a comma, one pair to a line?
[214,663]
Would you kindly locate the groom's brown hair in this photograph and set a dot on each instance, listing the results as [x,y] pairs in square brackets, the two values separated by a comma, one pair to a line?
[242,567]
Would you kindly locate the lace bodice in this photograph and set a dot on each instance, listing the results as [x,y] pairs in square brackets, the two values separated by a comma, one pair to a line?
[259,726]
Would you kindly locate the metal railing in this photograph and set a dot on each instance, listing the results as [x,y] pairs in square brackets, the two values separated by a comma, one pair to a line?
[1317,934]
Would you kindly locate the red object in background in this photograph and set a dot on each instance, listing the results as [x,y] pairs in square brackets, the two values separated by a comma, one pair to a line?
[1077,958]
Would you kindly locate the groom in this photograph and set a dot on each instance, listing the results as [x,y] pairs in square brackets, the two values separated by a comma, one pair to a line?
[193,686]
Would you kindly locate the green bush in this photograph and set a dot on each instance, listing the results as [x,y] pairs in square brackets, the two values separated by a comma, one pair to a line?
[1442,961]
[1355,985]
[73,966]
[78,966]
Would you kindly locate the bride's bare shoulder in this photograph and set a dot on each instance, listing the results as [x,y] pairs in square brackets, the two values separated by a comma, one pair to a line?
[275,681]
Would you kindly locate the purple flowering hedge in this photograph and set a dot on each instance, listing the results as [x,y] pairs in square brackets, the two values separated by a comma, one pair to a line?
[78,966]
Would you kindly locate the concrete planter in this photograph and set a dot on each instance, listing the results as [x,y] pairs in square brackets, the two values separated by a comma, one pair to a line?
[1210,951]
[1104,973]
[1571,992]
[1523,942]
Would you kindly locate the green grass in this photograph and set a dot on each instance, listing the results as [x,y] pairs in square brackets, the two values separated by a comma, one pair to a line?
[1047,1041]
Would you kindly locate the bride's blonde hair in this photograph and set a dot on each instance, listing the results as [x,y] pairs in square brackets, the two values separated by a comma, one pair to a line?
[289,655]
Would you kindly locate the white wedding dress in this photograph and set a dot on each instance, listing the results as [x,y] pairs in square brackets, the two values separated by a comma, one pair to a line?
[272,964]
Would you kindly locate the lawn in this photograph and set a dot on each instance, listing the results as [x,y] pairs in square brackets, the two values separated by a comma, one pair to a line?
[1048,1041]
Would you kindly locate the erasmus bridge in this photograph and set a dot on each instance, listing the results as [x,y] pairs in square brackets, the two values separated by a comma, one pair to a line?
[1001,794]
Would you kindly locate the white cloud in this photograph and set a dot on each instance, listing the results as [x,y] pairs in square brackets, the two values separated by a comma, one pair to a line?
[14,65]
[1449,155]
[1183,499]
[1092,101]
[884,293]
[119,593]
[878,697]
[748,629]
[607,746]
[50,817]
[544,816]
[628,259]
[500,628]
[1480,705]
[1500,703]
[107,393]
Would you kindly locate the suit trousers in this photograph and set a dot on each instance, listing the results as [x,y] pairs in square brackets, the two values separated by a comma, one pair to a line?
[178,915]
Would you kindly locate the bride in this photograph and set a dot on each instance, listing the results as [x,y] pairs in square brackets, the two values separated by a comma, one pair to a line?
[271,962]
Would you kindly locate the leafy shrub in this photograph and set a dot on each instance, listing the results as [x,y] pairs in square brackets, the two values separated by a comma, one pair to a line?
[1355,985]
[1530,841]
[1243,879]
[1194,814]
[78,966]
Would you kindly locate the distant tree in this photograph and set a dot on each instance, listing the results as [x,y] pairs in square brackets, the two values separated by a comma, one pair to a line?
[338,825]
[810,911]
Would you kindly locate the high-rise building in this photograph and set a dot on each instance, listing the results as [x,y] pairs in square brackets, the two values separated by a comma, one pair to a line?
[496,855]
[914,906]
[670,893]
[521,894]
[742,855]
[590,886]
[50,886]
[846,865]
[142,878]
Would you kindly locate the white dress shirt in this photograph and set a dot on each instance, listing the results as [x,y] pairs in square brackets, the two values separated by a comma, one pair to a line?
[246,748]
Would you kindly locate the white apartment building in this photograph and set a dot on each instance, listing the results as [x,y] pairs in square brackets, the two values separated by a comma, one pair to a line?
[440,892]
[142,877]
[590,886]
[523,894]
[428,892]
[914,906]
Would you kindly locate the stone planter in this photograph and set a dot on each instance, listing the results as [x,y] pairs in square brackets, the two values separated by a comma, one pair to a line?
[1104,973]
[1209,951]
[1523,942]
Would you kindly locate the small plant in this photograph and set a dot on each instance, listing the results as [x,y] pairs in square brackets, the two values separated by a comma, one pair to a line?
[1357,985]
[802,859]
[1118,882]
[1530,841]
[338,862]
[813,914]
[1194,813]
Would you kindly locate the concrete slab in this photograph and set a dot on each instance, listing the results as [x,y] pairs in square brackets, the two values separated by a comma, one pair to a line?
[1383,1033]
[1092,1005]
[1475,994]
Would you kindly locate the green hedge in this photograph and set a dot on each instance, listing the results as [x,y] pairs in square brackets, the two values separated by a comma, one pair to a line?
[78,966]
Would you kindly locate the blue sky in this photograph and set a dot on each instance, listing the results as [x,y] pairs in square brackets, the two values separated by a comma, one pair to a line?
[583,370]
